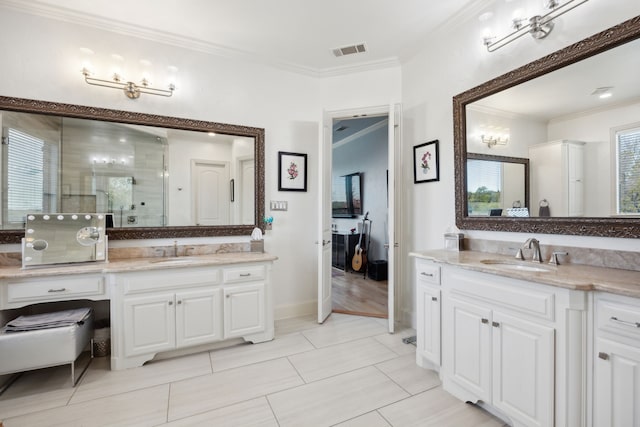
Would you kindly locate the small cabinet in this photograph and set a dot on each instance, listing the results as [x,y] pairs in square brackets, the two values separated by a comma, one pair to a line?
[165,321]
[428,312]
[494,353]
[616,361]
[243,310]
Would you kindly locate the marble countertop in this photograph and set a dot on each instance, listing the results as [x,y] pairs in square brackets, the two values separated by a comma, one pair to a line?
[135,264]
[570,276]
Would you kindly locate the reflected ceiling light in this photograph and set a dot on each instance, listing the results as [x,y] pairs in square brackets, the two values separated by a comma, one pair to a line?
[539,26]
[603,92]
[492,140]
[131,90]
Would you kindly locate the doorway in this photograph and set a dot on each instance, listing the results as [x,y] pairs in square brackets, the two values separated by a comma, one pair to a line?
[387,227]
[359,215]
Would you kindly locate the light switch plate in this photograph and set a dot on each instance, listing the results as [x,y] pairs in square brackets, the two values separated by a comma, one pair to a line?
[279,205]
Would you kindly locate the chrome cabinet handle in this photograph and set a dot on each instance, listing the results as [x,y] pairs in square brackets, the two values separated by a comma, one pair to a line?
[603,356]
[179,301]
[626,322]
[170,302]
[245,274]
[495,324]
[426,274]
[57,290]
[485,320]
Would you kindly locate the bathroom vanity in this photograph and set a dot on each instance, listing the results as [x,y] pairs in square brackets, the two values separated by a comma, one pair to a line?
[541,345]
[159,305]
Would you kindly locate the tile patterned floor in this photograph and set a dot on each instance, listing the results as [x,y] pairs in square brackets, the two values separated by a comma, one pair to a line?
[348,372]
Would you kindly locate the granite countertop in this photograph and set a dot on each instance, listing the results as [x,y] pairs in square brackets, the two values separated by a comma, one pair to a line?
[570,276]
[135,264]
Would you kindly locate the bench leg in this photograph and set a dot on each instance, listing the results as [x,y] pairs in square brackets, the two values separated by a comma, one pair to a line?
[73,367]
[11,380]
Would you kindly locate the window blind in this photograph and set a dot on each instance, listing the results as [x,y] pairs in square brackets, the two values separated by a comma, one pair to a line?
[25,175]
[628,160]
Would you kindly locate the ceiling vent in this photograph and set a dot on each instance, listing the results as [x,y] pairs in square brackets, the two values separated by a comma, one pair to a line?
[349,50]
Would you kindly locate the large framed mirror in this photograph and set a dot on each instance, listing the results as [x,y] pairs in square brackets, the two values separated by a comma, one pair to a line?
[575,115]
[156,176]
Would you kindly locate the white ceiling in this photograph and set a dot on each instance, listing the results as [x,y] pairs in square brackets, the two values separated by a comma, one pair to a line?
[296,34]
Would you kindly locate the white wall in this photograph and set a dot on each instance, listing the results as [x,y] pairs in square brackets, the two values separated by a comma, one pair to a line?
[45,65]
[456,62]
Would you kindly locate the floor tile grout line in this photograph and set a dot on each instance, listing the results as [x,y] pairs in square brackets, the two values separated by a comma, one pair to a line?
[168,403]
[275,416]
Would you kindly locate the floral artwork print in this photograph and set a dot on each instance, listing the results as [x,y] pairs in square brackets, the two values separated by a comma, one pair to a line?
[425,162]
[292,171]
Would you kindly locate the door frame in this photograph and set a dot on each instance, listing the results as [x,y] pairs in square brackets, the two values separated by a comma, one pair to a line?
[396,185]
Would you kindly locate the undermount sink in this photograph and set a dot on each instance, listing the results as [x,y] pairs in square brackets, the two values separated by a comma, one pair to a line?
[518,266]
[172,261]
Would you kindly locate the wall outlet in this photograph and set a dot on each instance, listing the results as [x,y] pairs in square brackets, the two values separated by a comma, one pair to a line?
[279,205]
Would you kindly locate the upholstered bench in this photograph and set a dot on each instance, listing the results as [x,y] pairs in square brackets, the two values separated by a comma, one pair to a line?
[42,348]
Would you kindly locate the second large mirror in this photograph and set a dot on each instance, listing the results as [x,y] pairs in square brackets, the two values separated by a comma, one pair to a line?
[574,115]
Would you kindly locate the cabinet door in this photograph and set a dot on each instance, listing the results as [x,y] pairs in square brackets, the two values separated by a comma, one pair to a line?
[428,327]
[523,369]
[198,317]
[149,324]
[243,310]
[471,347]
[617,385]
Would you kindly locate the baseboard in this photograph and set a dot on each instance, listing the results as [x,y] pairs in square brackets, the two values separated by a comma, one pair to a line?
[296,310]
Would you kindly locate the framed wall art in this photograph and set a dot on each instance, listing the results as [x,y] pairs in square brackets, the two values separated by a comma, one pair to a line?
[292,171]
[426,164]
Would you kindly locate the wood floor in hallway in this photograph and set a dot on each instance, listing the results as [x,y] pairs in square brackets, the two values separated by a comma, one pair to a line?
[352,293]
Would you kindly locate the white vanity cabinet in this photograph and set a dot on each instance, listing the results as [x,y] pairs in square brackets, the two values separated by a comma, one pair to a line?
[616,361]
[428,314]
[244,297]
[171,309]
[503,340]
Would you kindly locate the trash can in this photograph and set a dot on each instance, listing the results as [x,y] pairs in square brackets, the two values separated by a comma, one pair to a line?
[378,270]
[101,339]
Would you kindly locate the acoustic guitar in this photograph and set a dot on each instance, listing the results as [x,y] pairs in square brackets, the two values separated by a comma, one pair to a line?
[360,256]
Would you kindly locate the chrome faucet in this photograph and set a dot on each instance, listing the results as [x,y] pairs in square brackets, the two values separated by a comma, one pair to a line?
[531,243]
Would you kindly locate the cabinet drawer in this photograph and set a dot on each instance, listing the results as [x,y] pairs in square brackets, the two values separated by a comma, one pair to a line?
[618,318]
[151,281]
[244,274]
[428,271]
[62,288]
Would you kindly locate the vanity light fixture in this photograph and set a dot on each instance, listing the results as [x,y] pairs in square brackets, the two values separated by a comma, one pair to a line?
[492,141]
[539,26]
[131,90]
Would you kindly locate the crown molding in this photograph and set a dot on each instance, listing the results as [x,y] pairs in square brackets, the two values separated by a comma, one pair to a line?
[122,28]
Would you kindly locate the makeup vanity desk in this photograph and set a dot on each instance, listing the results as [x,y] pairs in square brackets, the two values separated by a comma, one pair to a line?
[159,305]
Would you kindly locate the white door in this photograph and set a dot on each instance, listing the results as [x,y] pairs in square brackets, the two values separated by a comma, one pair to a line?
[393,211]
[324,222]
[210,192]
[246,187]
[324,229]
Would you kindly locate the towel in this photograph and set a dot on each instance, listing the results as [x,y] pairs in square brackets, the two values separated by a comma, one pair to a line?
[544,211]
[47,320]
